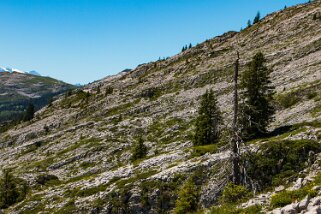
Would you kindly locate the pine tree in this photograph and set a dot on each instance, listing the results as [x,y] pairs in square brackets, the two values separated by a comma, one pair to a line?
[139,150]
[187,199]
[29,114]
[249,24]
[190,45]
[256,108]
[98,90]
[257,18]
[12,189]
[208,122]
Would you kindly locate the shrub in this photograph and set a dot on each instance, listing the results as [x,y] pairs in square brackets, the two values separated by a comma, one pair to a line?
[139,150]
[278,160]
[12,189]
[287,197]
[234,193]
[231,209]
[187,199]
[317,179]
[151,93]
[202,150]
[109,90]
[47,179]
[287,100]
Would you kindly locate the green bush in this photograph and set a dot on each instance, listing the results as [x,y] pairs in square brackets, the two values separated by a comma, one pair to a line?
[139,150]
[231,209]
[187,199]
[68,208]
[202,150]
[287,100]
[224,209]
[12,189]
[317,179]
[109,90]
[276,161]
[234,193]
[47,179]
[287,197]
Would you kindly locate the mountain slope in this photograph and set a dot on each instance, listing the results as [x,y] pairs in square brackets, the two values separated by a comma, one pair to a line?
[88,137]
[18,89]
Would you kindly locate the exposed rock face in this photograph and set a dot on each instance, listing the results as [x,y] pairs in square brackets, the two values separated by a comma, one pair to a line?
[87,142]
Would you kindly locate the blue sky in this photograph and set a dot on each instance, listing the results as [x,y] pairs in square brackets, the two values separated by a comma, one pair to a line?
[80,41]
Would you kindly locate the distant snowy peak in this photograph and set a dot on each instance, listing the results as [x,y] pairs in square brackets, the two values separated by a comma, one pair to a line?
[2,69]
[34,73]
[10,70]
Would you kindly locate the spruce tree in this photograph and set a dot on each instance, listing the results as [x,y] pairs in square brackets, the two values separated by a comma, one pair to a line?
[249,24]
[208,121]
[256,107]
[187,199]
[139,150]
[257,18]
[29,114]
[12,189]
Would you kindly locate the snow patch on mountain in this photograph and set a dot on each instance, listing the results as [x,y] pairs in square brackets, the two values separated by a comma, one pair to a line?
[11,70]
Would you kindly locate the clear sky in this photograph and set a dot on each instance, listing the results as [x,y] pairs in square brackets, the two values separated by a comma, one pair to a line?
[80,41]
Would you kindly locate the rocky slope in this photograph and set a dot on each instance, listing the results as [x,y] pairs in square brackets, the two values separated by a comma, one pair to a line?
[86,139]
[17,89]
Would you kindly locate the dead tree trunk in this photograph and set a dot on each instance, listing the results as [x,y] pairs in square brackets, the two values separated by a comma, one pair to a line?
[236,179]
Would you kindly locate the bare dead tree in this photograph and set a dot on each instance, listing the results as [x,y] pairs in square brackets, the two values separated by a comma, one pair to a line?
[235,143]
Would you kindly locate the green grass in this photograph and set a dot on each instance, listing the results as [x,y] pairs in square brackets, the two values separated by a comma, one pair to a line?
[89,141]
[316,111]
[231,209]
[287,100]
[287,197]
[202,150]
[68,208]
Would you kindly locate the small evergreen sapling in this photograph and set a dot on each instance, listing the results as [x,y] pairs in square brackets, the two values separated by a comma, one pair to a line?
[29,114]
[139,150]
[187,199]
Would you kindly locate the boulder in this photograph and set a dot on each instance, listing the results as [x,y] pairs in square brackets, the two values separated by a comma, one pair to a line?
[289,209]
[304,203]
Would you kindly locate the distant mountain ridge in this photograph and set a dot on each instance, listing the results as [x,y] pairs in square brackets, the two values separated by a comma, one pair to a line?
[18,88]
[11,70]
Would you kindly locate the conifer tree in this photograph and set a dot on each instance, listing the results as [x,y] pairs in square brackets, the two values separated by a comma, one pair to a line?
[98,90]
[257,18]
[29,114]
[12,189]
[139,150]
[208,121]
[190,45]
[256,107]
[249,24]
[187,199]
